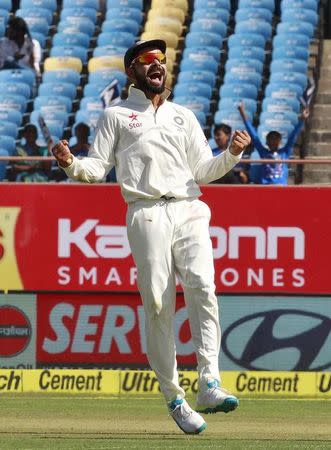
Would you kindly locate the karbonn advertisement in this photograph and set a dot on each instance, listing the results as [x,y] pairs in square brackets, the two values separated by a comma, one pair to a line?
[72,237]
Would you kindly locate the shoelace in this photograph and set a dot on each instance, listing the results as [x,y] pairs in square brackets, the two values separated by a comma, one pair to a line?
[184,413]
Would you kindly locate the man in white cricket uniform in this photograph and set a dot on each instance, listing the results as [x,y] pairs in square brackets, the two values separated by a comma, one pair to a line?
[161,156]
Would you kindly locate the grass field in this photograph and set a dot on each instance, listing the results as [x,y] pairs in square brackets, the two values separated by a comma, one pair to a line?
[62,423]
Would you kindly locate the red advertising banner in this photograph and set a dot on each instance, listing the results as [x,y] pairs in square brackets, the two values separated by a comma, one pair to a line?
[72,237]
[99,330]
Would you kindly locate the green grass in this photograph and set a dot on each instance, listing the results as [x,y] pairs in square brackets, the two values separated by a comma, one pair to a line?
[62,423]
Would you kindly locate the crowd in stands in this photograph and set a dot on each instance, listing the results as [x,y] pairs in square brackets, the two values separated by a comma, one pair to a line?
[226,48]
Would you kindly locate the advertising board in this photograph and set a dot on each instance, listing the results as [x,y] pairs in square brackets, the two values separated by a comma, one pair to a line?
[72,237]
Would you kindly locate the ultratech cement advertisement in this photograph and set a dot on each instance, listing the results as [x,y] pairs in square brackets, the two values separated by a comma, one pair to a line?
[107,331]
[127,382]
[265,240]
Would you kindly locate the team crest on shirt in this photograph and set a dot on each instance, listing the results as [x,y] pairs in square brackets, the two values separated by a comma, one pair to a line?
[134,121]
[179,120]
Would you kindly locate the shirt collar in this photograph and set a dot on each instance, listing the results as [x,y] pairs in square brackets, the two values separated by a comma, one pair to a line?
[138,96]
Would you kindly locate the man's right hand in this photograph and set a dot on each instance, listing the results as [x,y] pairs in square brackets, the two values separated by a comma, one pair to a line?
[62,153]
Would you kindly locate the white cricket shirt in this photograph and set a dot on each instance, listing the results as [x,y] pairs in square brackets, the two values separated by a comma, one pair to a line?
[155,152]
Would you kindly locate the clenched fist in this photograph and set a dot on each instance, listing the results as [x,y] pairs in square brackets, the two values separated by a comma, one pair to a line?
[240,140]
[62,153]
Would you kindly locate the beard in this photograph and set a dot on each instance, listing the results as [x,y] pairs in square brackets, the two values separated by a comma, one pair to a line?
[143,84]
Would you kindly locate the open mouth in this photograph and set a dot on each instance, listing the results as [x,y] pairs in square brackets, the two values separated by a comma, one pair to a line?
[155,77]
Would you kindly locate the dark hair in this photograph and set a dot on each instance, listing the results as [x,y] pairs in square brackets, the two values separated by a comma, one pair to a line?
[19,24]
[223,127]
[82,125]
[274,134]
[30,126]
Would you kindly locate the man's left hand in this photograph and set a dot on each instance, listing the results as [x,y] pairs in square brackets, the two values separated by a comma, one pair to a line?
[240,140]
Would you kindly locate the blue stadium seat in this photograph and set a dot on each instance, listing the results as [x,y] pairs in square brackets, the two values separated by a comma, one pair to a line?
[52,103]
[116,38]
[300,4]
[91,103]
[300,15]
[76,24]
[128,25]
[238,90]
[283,89]
[222,14]
[138,4]
[253,78]
[291,40]
[253,13]
[193,102]
[198,39]
[37,24]
[125,13]
[105,50]
[229,114]
[290,52]
[89,13]
[296,28]
[283,129]
[35,13]
[209,25]
[15,87]
[271,104]
[61,117]
[13,101]
[90,117]
[249,53]
[6,4]
[61,39]
[105,76]
[8,128]
[268,4]
[40,37]
[210,4]
[289,65]
[201,116]
[254,26]
[246,39]
[202,51]
[58,88]
[203,76]
[233,103]
[200,89]
[93,4]
[202,62]
[11,115]
[282,116]
[70,50]
[61,75]
[46,4]
[289,77]
[243,65]
[8,143]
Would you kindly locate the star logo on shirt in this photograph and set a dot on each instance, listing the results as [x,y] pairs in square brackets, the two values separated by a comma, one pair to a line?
[133,116]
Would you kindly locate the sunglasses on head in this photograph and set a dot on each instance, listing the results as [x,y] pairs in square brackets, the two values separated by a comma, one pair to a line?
[149,57]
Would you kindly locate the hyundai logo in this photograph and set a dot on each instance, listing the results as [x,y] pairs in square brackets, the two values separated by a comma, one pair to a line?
[267,326]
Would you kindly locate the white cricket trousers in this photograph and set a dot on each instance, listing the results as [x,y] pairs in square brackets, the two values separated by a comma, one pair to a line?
[169,238]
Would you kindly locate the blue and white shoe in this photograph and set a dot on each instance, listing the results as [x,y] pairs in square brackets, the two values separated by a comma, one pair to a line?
[186,418]
[215,399]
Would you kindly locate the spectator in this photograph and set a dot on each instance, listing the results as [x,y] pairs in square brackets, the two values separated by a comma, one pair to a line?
[17,47]
[274,173]
[222,137]
[80,148]
[36,171]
